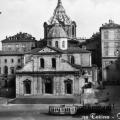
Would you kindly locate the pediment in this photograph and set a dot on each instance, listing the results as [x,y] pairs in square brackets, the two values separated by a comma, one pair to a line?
[46,49]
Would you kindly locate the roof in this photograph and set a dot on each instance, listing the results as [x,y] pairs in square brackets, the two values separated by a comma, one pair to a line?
[60,15]
[77,66]
[109,25]
[36,50]
[48,72]
[73,41]
[10,53]
[57,32]
[68,51]
[76,50]
[19,37]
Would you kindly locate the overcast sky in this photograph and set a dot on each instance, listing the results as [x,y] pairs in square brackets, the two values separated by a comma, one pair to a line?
[29,15]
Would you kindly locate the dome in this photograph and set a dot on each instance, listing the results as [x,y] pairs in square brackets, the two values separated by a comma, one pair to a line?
[57,32]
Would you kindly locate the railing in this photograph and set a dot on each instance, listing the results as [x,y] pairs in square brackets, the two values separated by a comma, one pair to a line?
[85,110]
[62,110]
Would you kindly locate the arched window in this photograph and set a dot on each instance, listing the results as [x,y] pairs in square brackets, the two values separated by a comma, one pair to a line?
[73,30]
[53,63]
[12,60]
[63,44]
[5,70]
[19,60]
[72,60]
[5,60]
[42,63]
[56,44]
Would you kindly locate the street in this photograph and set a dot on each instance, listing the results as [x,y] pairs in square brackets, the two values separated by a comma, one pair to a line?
[29,112]
[40,111]
[33,116]
[36,112]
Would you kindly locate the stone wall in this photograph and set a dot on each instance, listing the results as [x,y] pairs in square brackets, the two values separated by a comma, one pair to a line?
[110,45]
[18,46]
[61,62]
[37,85]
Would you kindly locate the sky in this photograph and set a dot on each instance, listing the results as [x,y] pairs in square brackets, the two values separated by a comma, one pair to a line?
[29,15]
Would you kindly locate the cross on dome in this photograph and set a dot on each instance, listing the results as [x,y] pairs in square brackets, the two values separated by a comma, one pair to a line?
[59,2]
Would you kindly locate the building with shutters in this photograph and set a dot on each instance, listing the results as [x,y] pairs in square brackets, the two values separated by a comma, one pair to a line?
[110,42]
[12,58]
[110,51]
[105,49]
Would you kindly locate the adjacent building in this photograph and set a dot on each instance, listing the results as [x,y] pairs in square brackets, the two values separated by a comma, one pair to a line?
[110,42]
[105,48]
[12,58]
[93,44]
[21,42]
[110,49]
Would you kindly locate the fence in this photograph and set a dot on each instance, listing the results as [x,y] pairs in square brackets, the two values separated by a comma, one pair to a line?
[62,110]
[85,110]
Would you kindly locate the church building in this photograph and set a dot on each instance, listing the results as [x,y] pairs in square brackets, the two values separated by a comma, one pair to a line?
[60,67]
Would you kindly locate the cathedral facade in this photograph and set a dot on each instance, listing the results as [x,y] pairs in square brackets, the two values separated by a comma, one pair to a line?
[59,67]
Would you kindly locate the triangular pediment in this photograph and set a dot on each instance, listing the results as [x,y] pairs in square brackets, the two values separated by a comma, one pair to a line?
[46,49]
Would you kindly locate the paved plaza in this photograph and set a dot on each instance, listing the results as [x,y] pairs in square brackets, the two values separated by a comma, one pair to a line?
[40,111]
[29,112]
[35,112]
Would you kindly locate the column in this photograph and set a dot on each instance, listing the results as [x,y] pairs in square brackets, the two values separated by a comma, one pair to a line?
[76,85]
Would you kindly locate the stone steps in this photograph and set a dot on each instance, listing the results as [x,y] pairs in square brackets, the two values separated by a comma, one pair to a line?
[43,101]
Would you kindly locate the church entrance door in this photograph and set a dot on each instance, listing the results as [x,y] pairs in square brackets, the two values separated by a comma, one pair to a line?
[48,86]
[68,86]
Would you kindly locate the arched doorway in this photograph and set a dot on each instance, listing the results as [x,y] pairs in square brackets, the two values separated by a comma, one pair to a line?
[68,86]
[48,84]
[5,70]
[27,86]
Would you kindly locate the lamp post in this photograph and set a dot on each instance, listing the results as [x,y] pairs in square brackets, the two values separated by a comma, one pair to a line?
[85,85]
[7,95]
[6,79]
